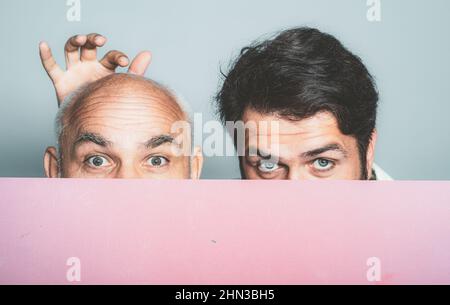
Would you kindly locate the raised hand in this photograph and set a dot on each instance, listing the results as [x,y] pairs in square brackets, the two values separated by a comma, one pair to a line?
[82,66]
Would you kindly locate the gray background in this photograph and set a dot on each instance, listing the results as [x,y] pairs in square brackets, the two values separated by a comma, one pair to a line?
[408,53]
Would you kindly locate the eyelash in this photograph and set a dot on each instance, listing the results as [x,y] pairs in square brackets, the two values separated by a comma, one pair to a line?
[92,156]
[92,167]
[258,164]
[158,156]
[333,164]
[86,160]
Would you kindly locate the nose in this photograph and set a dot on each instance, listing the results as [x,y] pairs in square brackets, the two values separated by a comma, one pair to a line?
[295,174]
[128,171]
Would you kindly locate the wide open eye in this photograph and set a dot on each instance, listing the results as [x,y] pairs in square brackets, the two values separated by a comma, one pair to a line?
[97,162]
[268,166]
[323,164]
[157,161]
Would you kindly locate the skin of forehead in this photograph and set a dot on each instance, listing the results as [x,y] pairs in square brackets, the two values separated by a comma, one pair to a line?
[122,91]
[287,127]
[128,89]
[323,124]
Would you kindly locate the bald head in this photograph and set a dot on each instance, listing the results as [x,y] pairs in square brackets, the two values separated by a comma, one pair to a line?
[123,122]
[127,89]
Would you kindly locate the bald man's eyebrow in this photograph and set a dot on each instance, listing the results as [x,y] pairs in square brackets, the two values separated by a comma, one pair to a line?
[159,140]
[319,151]
[93,138]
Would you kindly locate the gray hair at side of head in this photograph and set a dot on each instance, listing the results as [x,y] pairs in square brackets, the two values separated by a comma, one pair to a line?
[59,120]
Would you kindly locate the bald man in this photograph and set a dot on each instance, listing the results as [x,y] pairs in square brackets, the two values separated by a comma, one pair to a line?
[115,125]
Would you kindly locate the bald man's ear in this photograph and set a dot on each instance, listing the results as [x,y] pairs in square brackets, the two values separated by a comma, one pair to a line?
[51,163]
[196,163]
[371,153]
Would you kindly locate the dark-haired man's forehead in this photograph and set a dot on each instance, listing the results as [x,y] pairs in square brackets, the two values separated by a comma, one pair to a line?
[282,125]
[304,138]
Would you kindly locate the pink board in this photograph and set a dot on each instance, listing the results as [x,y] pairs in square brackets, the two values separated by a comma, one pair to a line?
[223,232]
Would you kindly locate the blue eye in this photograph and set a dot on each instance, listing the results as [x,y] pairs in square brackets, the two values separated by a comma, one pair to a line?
[97,161]
[268,167]
[157,161]
[323,164]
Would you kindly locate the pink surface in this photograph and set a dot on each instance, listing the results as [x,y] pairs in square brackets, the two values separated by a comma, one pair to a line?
[223,232]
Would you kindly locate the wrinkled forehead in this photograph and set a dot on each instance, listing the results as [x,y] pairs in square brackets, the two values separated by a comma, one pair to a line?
[322,124]
[126,106]
[272,133]
[137,114]
[127,95]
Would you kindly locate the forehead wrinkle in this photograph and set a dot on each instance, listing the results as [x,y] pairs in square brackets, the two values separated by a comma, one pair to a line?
[89,119]
[105,110]
[320,120]
[99,108]
[124,91]
[120,87]
[131,88]
[132,99]
[305,129]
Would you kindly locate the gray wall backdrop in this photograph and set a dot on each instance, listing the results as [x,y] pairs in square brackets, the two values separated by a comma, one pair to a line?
[408,52]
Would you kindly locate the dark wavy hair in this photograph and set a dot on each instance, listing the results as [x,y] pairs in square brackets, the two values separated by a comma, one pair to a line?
[297,74]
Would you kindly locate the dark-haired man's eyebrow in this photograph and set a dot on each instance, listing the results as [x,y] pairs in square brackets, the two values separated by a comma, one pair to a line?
[93,138]
[316,152]
[264,155]
[159,140]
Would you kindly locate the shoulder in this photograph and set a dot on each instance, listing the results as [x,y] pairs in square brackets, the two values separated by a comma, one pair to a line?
[380,174]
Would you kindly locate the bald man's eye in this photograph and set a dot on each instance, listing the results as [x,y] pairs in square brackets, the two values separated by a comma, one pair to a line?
[268,167]
[157,161]
[97,162]
[323,165]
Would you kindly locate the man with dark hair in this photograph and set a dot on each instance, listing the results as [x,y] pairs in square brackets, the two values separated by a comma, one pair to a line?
[323,99]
